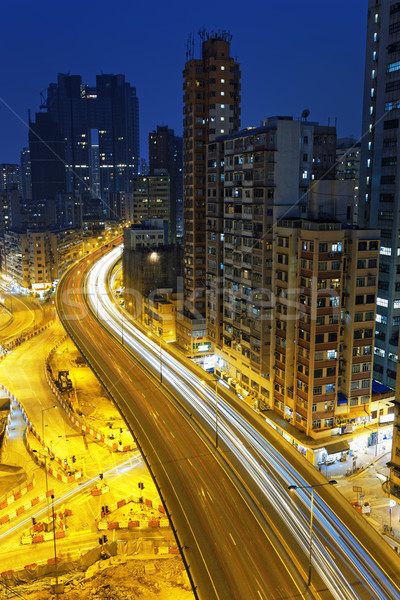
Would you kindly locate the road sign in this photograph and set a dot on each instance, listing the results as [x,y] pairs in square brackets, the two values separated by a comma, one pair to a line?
[357,488]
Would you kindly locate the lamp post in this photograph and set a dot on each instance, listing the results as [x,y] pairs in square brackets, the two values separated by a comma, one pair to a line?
[311,487]
[216,381]
[45,458]
[54,543]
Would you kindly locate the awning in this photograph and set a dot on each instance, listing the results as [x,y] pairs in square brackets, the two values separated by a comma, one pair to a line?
[379,388]
[341,446]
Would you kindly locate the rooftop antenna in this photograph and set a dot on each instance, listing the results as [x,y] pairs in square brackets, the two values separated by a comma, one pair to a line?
[43,100]
[305,114]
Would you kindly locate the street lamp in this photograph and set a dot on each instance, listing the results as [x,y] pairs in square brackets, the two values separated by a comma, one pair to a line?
[45,455]
[311,487]
[216,381]
[54,543]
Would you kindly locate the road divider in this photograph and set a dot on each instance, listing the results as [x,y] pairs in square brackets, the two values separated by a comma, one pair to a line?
[7,348]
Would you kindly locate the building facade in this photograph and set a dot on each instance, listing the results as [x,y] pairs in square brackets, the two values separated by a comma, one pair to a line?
[348,154]
[10,177]
[149,265]
[211,99]
[152,200]
[35,258]
[271,309]
[26,179]
[165,156]
[379,199]
[325,279]
[255,177]
[87,141]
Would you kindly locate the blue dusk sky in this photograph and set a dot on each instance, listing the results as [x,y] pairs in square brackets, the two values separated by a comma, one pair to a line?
[293,55]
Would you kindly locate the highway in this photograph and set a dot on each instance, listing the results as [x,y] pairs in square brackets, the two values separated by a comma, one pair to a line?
[229,543]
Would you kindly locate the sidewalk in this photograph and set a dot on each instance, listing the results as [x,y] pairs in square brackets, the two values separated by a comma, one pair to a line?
[372,472]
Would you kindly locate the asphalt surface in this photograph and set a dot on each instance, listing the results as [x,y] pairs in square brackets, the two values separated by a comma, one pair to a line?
[25,313]
[150,416]
[231,550]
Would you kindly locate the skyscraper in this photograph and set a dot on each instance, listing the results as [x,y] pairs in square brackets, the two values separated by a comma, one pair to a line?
[379,190]
[211,108]
[26,178]
[88,139]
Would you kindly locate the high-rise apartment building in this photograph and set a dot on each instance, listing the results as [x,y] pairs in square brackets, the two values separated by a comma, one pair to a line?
[165,157]
[38,257]
[324,294]
[348,151]
[87,141]
[292,284]
[379,200]
[211,97]
[152,200]
[255,177]
[10,177]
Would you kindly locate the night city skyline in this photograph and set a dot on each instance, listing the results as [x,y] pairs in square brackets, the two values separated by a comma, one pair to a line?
[200,300]
[292,57]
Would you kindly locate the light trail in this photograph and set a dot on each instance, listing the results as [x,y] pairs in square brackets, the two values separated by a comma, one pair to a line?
[270,471]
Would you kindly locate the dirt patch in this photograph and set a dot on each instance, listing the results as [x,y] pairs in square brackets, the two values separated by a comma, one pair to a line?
[88,396]
[161,579]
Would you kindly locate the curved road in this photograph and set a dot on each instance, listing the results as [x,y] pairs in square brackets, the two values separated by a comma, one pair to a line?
[230,555]
[25,313]
[345,563]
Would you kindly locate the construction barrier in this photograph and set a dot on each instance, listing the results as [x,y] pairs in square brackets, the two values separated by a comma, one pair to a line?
[39,535]
[166,550]
[78,421]
[24,507]
[23,338]
[72,474]
[131,521]
[13,496]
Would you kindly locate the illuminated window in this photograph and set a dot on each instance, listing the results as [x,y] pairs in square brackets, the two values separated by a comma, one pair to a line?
[392,105]
[394,66]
